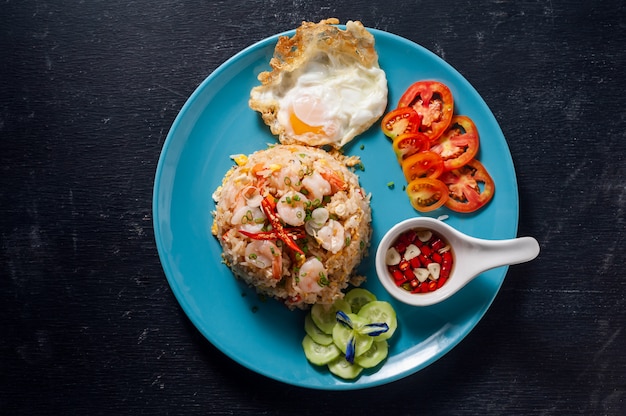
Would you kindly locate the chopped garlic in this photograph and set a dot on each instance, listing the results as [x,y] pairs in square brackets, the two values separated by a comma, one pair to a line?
[424,235]
[421,274]
[411,252]
[393,257]
[434,269]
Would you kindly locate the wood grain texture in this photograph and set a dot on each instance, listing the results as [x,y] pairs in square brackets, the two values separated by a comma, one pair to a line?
[88,92]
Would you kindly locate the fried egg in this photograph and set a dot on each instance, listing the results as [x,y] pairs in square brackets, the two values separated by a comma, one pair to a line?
[325,87]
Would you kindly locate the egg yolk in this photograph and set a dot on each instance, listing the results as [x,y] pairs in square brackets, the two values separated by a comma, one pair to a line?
[307,116]
[300,127]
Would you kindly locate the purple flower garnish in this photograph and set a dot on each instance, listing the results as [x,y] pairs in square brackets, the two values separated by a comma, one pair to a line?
[344,319]
[351,349]
[372,330]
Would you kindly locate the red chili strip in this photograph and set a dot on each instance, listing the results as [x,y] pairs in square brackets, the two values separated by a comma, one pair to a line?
[269,207]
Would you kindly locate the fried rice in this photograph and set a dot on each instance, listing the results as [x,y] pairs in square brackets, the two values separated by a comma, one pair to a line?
[294,223]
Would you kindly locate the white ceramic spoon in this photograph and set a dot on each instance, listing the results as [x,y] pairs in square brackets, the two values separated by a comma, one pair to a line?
[471,257]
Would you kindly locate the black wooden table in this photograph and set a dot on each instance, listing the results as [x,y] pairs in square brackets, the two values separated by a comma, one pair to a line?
[88,92]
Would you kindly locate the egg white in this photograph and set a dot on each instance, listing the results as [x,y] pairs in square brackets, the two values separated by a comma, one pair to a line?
[326,92]
[343,100]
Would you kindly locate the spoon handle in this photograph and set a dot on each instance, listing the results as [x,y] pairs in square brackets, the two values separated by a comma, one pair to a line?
[507,252]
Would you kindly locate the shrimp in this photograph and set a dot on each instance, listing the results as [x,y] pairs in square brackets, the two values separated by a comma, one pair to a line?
[317,186]
[312,276]
[286,178]
[265,254]
[291,208]
[251,219]
[331,236]
[336,182]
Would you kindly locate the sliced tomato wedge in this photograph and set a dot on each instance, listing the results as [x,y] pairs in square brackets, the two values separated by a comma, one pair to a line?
[409,144]
[401,121]
[427,194]
[470,187]
[433,101]
[424,164]
[458,144]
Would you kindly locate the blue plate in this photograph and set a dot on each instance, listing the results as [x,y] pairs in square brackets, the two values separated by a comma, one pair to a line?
[263,335]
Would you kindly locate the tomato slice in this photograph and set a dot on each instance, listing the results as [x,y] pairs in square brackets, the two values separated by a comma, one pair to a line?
[470,187]
[409,144]
[433,101]
[424,164]
[427,194]
[401,121]
[458,144]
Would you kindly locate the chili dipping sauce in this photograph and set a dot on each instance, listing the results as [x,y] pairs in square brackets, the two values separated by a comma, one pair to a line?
[419,261]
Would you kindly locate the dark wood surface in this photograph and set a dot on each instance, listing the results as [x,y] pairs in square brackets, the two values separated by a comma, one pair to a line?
[88,92]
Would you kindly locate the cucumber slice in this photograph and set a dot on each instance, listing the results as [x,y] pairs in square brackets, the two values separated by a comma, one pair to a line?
[380,311]
[342,334]
[315,332]
[358,297]
[325,316]
[374,356]
[342,368]
[319,354]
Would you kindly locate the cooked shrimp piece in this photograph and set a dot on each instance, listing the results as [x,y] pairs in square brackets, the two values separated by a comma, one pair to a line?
[291,208]
[336,182]
[331,236]
[286,178]
[250,218]
[317,186]
[312,276]
[265,254]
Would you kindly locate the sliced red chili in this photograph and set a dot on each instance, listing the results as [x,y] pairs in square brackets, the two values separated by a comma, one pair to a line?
[436,257]
[437,244]
[441,281]
[415,262]
[398,276]
[269,205]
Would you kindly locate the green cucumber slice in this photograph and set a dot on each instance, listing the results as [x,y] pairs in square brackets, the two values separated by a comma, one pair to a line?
[358,297]
[380,311]
[315,332]
[325,316]
[342,368]
[319,354]
[342,334]
[374,356]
